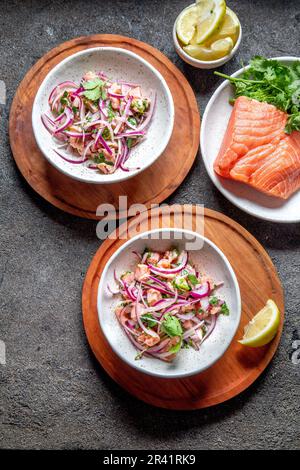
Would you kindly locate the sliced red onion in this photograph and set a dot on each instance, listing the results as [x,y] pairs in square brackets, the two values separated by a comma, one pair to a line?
[116,95]
[132,85]
[88,147]
[202,291]
[67,83]
[139,313]
[68,122]
[111,291]
[47,124]
[78,135]
[102,106]
[185,316]
[149,114]
[75,162]
[210,328]
[130,134]
[179,268]
[189,332]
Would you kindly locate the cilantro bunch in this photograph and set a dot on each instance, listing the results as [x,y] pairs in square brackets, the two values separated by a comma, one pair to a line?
[270,81]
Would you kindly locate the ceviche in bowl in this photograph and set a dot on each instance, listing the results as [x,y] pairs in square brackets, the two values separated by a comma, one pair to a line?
[167,306]
[99,114]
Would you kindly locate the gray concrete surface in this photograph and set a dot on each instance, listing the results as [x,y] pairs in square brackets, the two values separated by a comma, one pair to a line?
[53,394]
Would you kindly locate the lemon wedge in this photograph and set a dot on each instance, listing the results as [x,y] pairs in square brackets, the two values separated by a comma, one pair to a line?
[200,21]
[186,24]
[263,327]
[216,50]
[230,27]
[210,17]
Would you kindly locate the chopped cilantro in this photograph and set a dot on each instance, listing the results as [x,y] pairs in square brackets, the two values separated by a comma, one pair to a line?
[193,280]
[101,159]
[214,300]
[224,309]
[106,134]
[110,113]
[129,143]
[132,121]
[148,319]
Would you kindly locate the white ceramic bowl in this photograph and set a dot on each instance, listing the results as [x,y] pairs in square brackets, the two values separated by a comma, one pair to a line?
[119,64]
[212,261]
[203,64]
[213,127]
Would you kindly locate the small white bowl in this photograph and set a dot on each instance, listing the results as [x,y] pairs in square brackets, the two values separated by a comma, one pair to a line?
[203,64]
[119,64]
[212,261]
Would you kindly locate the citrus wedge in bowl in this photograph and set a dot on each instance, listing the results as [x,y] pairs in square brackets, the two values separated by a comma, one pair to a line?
[230,27]
[199,22]
[263,327]
[216,50]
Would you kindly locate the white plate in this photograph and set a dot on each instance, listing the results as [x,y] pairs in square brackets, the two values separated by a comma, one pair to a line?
[213,128]
[212,261]
[118,64]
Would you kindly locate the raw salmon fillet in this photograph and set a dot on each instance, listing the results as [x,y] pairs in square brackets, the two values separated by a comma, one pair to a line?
[257,151]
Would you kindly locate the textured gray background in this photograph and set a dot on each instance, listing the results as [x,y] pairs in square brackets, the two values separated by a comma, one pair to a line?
[53,393]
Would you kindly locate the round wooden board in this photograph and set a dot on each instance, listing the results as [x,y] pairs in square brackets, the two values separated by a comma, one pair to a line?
[240,366]
[152,186]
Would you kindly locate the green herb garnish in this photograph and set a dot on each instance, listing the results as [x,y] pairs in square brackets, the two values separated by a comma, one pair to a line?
[269,81]
[94,89]
[106,134]
[110,113]
[149,320]
[224,309]
[129,143]
[214,300]
[193,280]
[132,121]
[171,325]
[176,347]
[101,159]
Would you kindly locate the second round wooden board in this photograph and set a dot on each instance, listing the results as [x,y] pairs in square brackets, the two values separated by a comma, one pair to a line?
[240,366]
[153,185]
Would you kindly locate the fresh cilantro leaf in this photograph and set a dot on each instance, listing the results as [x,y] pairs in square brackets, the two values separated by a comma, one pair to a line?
[171,325]
[224,309]
[101,159]
[148,319]
[91,84]
[193,280]
[214,300]
[132,121]
[129,143]
[93,95]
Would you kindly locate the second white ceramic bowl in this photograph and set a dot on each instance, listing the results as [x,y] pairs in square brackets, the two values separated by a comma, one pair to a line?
[119,64]
[210,260]
[203,64]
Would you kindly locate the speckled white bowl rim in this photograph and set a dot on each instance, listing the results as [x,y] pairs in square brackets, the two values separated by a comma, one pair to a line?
[118,176]
[208,64]
[102,291]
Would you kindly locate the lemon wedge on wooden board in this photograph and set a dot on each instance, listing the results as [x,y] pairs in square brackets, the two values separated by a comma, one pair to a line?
[263,327]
